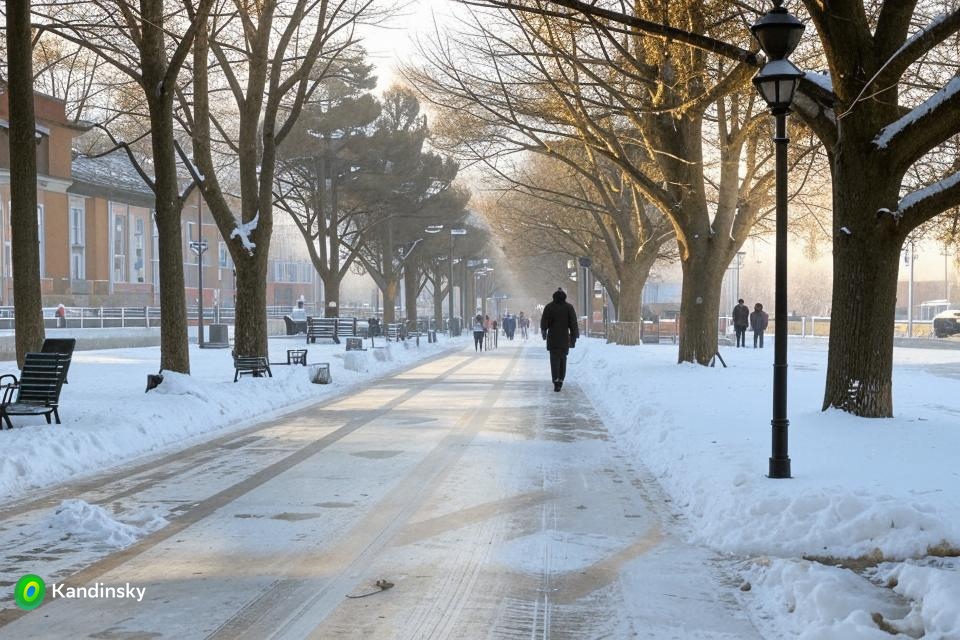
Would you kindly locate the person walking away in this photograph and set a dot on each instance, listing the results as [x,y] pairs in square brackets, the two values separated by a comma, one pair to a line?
[558,326]
[741,320]
[758,322]
[524,322]
[61,314]
[478,333]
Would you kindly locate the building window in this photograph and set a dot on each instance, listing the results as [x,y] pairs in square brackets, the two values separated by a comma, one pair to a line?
[7,262]
[222,248]
[156,253]
[291,272]
[278,271]
[77,249]
[5,233]
[119,230]
[43,252]
[138,248]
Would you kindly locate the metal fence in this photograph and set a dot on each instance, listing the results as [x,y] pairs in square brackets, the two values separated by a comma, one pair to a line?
[667,329]
[149,316]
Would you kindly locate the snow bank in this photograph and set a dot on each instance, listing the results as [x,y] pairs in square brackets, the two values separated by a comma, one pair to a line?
[807,600]
[860,487]
[934,589]
[109,420]
[815,602]
[91,523]
[875,489]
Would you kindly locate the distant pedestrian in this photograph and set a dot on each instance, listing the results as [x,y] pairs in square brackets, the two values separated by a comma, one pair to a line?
[61,314]
[478,333]
[524,323]
[758,322]
[300,313]
[509,326]
[741,320]
[559,328]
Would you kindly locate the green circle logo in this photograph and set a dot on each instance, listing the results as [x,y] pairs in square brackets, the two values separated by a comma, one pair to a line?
[29,591]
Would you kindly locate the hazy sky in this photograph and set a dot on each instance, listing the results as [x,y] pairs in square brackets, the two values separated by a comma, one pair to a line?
[394,41]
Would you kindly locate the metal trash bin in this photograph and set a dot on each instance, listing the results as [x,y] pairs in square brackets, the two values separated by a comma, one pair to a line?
[320,373]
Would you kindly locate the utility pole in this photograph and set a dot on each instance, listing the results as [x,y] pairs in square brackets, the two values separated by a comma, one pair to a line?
[912,258]
[199,247]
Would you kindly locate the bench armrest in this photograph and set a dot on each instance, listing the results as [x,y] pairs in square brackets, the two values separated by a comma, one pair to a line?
[8,387]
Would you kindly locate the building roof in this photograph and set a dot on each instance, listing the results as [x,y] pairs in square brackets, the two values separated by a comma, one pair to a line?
[111,176]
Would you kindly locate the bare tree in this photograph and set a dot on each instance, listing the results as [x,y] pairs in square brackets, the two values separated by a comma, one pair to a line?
[135,38]
[23,181]
[314,176]
[683,127]
[890,99]
[255,67]
[592,210]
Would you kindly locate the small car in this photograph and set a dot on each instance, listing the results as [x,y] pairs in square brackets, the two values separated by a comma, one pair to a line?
[946,323]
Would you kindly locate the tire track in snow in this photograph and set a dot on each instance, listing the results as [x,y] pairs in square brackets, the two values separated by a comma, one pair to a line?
[208,506]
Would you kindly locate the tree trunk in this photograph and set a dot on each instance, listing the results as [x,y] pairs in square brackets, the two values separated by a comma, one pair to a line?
[866,259]
[699,308]
[250,337]
[389,299]
[438,300]
[630,297]
[331,293]
[174,345]
[25,240]
[410,278]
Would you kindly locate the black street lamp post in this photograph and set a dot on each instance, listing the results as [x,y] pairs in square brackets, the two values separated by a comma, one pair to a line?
[453,236]
[778,33]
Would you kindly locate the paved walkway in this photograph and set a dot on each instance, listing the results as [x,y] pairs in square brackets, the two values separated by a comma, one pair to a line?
[497,508]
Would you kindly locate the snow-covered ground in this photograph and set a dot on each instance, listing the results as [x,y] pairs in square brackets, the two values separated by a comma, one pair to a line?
[109,420]
[880,494]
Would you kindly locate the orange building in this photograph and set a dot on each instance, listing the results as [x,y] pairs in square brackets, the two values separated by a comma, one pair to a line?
[98,239]
[54,140]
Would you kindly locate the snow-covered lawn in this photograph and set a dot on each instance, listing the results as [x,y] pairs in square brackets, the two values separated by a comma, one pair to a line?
[109,420]
[883,491]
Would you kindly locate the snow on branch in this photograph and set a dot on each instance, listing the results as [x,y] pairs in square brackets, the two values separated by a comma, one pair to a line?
[936,197]
[925,110]
[243,232]
[915,38]
[820,78]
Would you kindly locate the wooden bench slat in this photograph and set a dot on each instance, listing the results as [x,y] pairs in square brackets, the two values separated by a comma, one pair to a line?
[38,388]
[250,365]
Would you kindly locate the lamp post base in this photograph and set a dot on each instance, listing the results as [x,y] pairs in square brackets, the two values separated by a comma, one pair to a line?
[779,468]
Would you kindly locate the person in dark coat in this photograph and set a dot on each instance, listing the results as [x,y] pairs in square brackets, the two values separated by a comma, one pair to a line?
[741,320]
[558,326]
[758,322]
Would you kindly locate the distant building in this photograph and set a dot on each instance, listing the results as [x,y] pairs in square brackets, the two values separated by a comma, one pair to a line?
[98,237]
[54,140]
